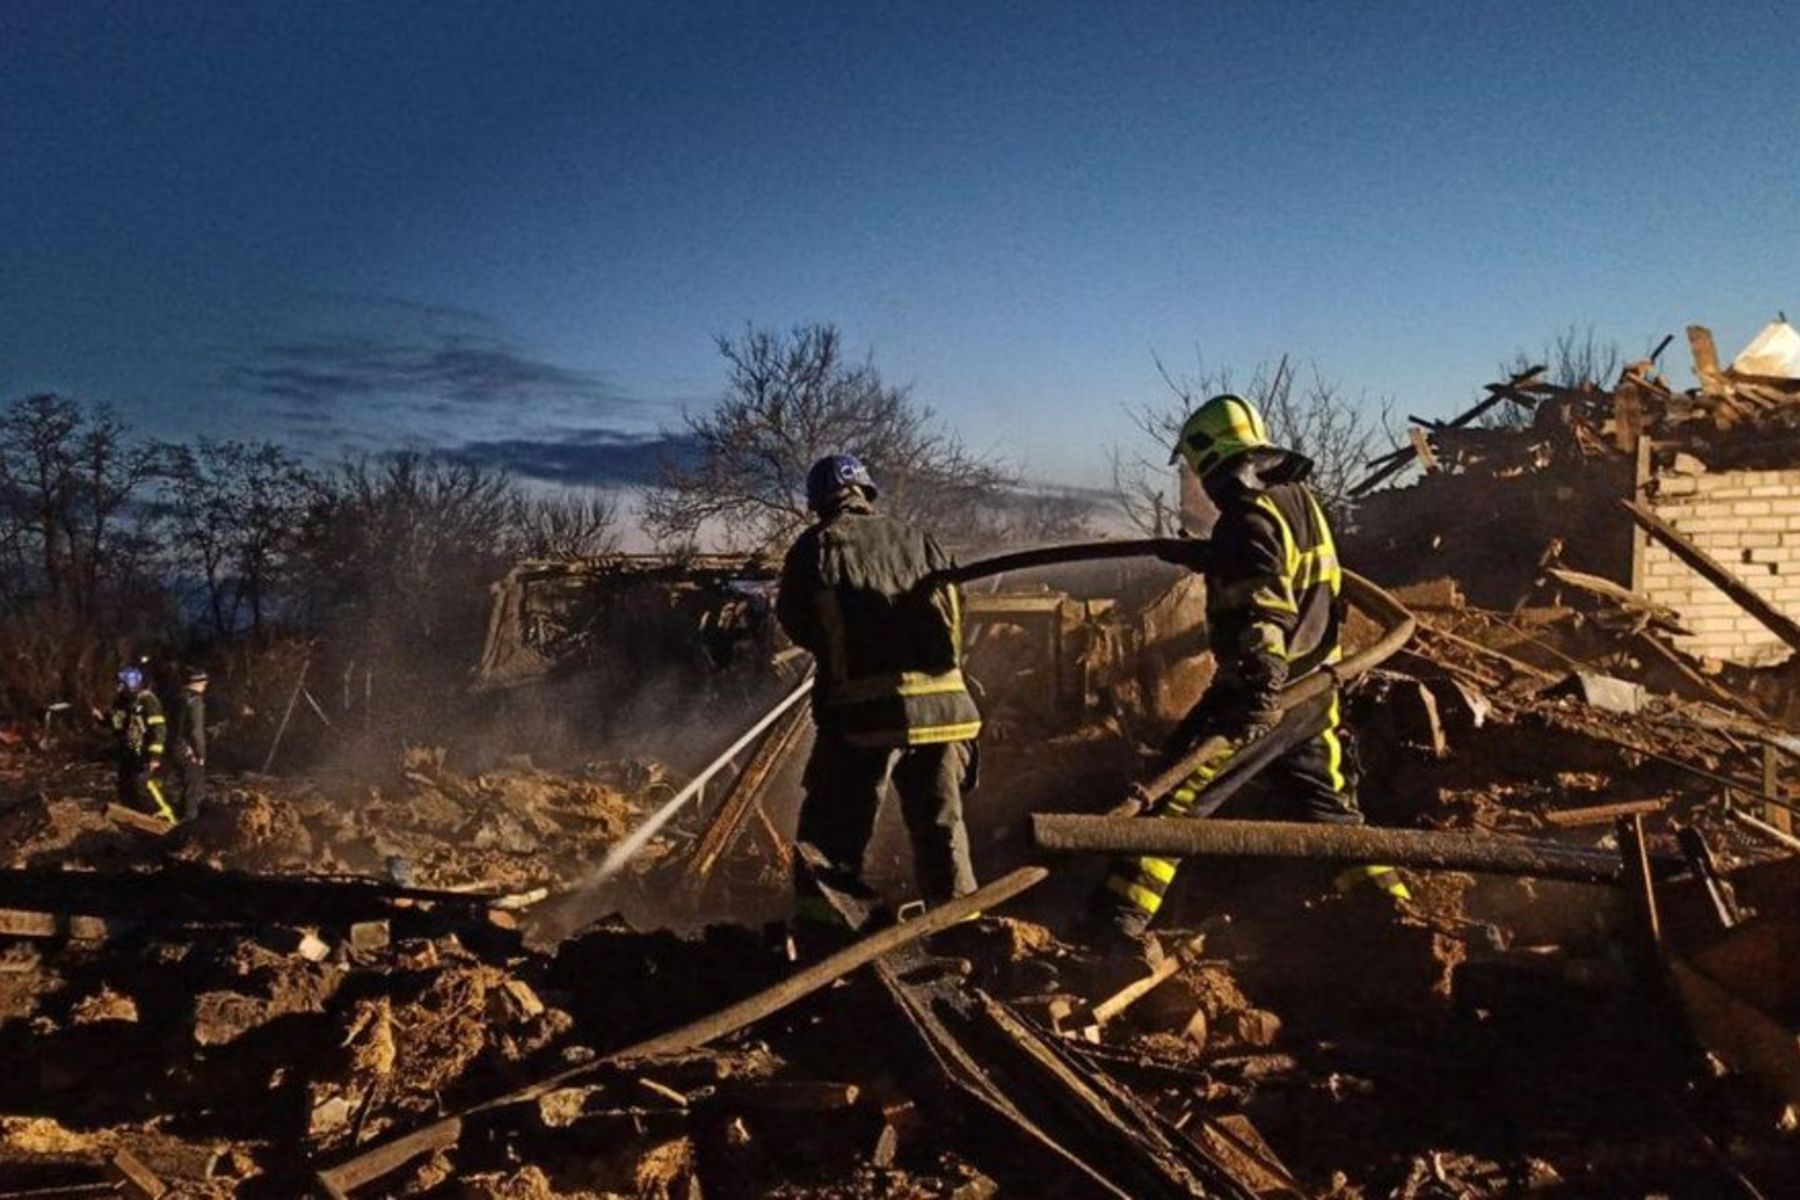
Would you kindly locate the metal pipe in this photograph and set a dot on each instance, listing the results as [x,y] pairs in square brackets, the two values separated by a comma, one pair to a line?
[1431,849]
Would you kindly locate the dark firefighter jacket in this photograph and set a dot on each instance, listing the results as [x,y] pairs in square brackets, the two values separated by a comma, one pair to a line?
[1272,583]
[190,728]
[889,651]
[137,722]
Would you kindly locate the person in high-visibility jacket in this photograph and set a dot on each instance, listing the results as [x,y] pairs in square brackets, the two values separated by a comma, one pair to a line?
[140,732]
[890,704]
[1273,616]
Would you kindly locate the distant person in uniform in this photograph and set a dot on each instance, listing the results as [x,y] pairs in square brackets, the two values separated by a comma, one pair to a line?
[139,731]
[190,743]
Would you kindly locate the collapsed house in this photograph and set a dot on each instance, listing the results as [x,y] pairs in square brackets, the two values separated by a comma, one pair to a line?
[1497,507]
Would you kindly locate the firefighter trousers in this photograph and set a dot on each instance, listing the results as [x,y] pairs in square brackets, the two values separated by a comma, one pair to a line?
[140,789]
[193,788]
[1315,781]
[844,786]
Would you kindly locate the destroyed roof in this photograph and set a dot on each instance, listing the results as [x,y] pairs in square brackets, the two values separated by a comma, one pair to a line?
[1773,354]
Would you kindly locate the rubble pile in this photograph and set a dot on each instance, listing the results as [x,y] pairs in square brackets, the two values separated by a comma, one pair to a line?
[419,982]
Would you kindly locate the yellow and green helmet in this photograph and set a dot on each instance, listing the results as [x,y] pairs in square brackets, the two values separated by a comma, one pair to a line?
[1217,431]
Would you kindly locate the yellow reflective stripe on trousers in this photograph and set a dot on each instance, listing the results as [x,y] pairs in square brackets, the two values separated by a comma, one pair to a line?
[1334,749]
[1143,897]
[1160,869]
[162,806]
[1384,877]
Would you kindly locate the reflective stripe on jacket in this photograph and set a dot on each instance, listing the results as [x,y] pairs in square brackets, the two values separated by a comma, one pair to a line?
[137,719]
[889,651]
[1273,583]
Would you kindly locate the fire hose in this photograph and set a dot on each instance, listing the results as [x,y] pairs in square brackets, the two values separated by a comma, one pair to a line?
[1248,759]
[1397,623]
[1300,720]
[1121,832]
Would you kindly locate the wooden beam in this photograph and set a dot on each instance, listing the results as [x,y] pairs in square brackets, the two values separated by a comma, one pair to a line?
[1386,468]
[118,814]
[1600,814]
[1706,360]
[743,796]
[138,1178]
[1719,695]
[1774,812]
[17,922]
[1715,573]
[1421,444]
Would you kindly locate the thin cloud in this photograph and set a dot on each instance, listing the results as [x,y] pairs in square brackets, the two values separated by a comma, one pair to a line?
[464,369]
[578,457]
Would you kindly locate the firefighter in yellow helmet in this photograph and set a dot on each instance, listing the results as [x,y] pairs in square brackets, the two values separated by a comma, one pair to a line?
[1273,616]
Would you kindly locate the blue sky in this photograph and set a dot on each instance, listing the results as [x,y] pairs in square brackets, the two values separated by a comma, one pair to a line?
[518,227]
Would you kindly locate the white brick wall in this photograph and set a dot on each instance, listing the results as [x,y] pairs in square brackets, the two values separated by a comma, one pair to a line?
[1750,522]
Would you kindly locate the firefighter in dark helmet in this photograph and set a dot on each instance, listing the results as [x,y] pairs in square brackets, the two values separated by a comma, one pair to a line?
[890,704]
[140,731]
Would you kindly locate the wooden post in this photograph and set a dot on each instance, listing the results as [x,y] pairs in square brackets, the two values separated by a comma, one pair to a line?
[288,715]
[1640,489]
[1773,811]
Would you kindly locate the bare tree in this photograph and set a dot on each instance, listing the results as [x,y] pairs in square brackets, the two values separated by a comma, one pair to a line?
[789,400]
[1307,413]
[1574,358]
[234,511]
[69,475]
[399,548]
[570,525]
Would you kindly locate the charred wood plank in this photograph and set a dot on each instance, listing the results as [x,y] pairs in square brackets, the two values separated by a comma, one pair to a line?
[118,814]
[1393,464]
[963,1093]
[138,1179]
[1601,814]
[1428,849]
[746,790]
[1139,1148]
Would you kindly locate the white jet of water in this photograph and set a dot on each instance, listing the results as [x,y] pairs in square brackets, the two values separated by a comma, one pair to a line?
[626,850]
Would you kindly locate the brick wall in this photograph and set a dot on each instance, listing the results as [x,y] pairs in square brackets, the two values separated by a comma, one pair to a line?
[1750,522]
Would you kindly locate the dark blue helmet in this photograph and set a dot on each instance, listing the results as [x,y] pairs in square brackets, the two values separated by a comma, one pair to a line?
[831,476]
